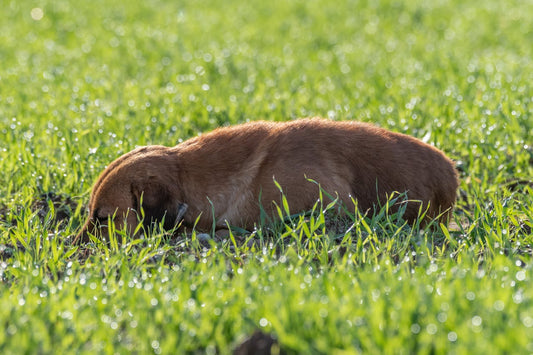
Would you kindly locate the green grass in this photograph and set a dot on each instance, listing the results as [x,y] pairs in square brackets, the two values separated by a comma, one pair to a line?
[91,80]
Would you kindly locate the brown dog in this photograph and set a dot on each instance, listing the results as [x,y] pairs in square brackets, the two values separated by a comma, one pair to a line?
[230,172]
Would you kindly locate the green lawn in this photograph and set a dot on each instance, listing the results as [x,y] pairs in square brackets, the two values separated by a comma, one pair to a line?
[82,82]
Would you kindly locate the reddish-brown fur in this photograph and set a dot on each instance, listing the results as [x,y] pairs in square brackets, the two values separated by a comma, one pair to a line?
[228,170]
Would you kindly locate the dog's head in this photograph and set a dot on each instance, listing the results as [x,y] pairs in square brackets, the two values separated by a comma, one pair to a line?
[139,187]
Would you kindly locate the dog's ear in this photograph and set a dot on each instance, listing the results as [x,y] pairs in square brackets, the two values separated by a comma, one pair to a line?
[157,202]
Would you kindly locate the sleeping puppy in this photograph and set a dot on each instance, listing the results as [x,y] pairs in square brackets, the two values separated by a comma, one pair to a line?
[231,173]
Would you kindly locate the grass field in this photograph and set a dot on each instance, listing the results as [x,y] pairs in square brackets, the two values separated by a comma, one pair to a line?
[82,82]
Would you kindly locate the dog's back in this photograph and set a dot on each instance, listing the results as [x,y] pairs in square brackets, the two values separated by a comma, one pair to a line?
[236,166]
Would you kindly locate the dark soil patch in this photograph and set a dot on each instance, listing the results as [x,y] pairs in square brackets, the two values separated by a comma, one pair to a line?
[258,344]
[63,206]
